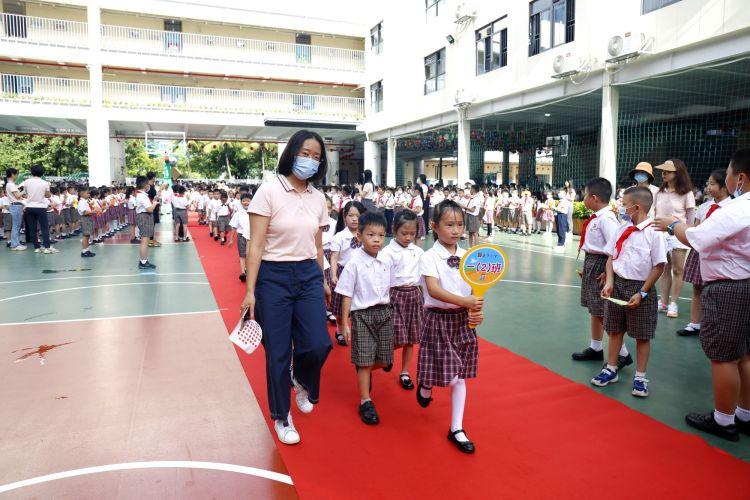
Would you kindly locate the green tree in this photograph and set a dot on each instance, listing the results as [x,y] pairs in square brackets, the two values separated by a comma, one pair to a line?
[59,155]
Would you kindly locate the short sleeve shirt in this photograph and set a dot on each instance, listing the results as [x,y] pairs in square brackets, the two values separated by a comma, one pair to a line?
[670,203]
[35,189]
[142,202]
[10,188]
[641,252]
[405,263]
[295,219]
[434,263]
[366,280]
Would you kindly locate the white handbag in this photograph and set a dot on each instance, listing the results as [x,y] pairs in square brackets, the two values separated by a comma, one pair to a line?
[247,334]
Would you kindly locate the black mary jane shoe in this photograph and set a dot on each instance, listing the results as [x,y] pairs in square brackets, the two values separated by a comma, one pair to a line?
[406,381]
[368,414]
[340,339]
[243,277]
[388,368]
[423,401]
[463,446]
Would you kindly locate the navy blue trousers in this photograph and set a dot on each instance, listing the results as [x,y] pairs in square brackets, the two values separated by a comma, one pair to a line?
[290,306]
[562,227]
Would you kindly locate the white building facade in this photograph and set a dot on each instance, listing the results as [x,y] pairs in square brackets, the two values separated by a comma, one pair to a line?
[594,84]
[221,71]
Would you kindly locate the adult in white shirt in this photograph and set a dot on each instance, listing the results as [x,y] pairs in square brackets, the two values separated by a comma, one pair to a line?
[368,192]
[570,194]
[37,195]
[15,200]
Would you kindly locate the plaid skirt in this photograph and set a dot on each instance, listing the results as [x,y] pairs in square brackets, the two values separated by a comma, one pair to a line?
[75,216]
[692,272]
[407,314]
[372,336]
[131,216]
[7,221]
[725,327]
[337,298]
[591,292]
[421,229]
[639,323]
[50,219]
[87,225]
[327,272]
[472,223]
[67,216]
[145,222]
[241,246]
[59,218]
[448,348]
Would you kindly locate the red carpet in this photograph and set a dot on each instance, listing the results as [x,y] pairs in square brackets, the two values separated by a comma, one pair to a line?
[537,433]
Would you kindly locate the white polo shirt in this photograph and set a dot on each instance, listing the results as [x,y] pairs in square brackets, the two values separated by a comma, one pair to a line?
[83,206]
[643,250]
[600,231]
[36,190]
[142,202]
[405,263]
[366,280]
[434,263]
[241,222]
[10,188]
[723,241]
[180,202]
[342,243]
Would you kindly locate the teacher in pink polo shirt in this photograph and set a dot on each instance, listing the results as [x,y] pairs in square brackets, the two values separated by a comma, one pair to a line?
[286,293]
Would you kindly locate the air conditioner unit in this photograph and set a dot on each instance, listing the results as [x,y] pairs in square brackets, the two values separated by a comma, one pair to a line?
[565,65]
[465,11]
[626,46]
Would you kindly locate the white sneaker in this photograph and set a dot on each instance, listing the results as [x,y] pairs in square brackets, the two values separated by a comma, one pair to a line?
[37,250]
[51,250]
[301,397]
[286,433]
[19,248]
[559,249]
[672,311]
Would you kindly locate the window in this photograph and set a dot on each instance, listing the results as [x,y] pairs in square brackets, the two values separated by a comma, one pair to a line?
[432,7]
[434,72]
[172,35]
[18,84]
[302,48]
[652,5]
[492,47]
[376,96]
[551,23]
[376,38]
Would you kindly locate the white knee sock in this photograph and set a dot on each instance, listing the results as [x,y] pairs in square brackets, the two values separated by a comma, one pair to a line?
[623,350]
[458,401]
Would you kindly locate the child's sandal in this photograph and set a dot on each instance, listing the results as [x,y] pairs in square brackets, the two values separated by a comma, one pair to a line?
[340,339]
[406,381]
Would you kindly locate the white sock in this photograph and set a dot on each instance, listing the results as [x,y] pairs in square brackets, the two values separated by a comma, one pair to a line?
[458,401]
[694,326]
[596,345]
[742,414]
[363,401]
[611,368]
[425,392]
[640,374]
[723,419]
[623,350]
[144,261]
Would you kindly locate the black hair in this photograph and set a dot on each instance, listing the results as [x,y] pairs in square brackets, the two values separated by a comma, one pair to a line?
[600,187]
[348,190]
[245,196]
[94,192]
[129,191]
[341,222]
[223,194]
[37,170]
[367,176]
[740,162]
[720,176]
[405,216]
[244,188]
[54,190]
[141,181]
[10,172]
[474,188]
[150,175]
[641,196]
[441,208]
[293,147]
[371,219]
[82,189]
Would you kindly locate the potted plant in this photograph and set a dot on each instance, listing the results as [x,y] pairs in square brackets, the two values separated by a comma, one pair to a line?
[580,213]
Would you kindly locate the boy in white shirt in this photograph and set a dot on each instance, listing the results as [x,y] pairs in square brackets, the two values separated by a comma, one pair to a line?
[144,218]
[211,209]
[223,214]
[638,253]
[240,222]
[365,287]
[180,214]
[87,221]
[597,231]
[7,219]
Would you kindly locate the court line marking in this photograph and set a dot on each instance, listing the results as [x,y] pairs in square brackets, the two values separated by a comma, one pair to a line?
[108,318]
[45,292]
[162,464]
[560,285]
[98,276]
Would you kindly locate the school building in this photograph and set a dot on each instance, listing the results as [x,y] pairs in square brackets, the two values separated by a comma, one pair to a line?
[554,89]
[217,70]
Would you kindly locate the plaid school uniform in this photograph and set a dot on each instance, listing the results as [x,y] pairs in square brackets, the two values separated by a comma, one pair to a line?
[597,230]
[407,314]
[692,271]
[372,336]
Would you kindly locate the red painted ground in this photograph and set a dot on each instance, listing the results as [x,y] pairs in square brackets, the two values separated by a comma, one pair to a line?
[537,434]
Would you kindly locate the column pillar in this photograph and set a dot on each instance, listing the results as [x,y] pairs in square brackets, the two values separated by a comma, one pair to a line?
[372,160]
[390,171]
[97,125]
[608,140]
[280,147]
[419,168]
[464,148]
[334,165]
[117,165]
[505,175]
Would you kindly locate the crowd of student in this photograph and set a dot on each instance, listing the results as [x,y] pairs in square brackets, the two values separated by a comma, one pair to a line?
[390,296]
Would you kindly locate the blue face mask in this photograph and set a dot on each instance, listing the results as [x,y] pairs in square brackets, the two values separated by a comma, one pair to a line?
[640,177]
[738,190]
[305,167]
[624,215]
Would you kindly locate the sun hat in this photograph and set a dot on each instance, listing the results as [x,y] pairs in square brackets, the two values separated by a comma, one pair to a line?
[667,166]
[645,167]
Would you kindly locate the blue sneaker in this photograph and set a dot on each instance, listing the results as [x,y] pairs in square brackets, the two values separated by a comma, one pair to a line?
[605,377]
[640,387]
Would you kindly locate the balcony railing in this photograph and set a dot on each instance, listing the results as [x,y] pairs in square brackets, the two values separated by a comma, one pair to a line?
[211,100]
[44,90]
[222,48]
[43,31]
